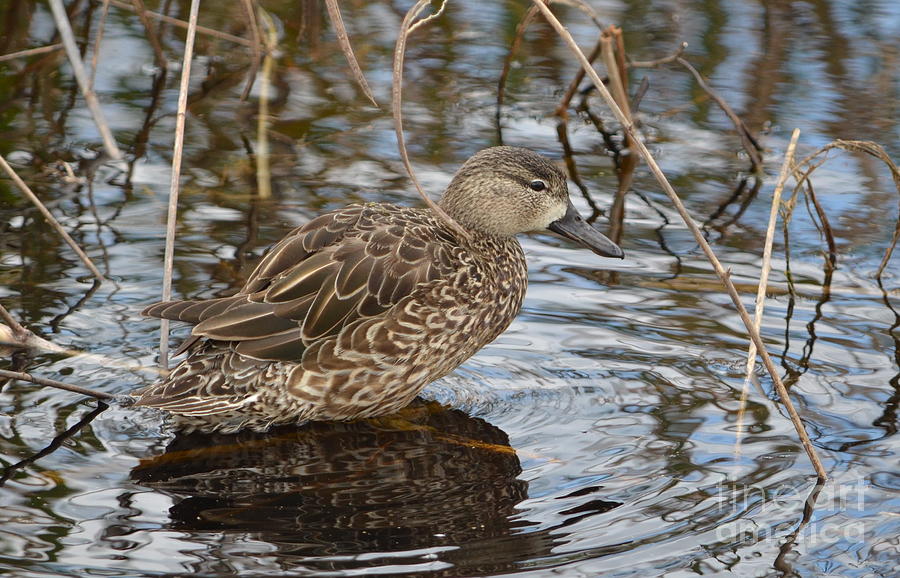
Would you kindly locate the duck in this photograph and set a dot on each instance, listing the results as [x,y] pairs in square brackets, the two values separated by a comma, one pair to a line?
[351,315]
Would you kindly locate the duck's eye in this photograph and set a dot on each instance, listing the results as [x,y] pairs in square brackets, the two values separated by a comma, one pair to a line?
[537,185]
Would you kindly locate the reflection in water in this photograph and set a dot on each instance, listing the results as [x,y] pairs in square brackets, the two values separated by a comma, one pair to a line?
[423,478]
[653,349]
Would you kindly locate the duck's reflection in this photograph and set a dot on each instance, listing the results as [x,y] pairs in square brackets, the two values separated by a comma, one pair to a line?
[393,483]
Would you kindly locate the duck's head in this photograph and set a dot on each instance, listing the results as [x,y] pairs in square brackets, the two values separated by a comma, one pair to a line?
[503,191]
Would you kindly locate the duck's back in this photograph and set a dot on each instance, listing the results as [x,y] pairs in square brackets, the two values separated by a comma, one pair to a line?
[349,315]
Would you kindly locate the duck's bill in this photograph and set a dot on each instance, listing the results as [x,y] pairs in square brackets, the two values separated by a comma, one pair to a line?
[573,227]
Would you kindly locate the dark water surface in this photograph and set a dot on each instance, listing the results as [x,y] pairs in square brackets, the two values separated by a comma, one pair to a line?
[597,435]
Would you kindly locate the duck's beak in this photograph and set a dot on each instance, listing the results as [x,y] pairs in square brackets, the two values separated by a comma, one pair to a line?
[572,226]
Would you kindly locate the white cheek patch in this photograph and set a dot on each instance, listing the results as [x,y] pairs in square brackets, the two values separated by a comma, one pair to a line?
[554,214]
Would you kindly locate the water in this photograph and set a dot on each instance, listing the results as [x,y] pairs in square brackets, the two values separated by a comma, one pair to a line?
[596,436]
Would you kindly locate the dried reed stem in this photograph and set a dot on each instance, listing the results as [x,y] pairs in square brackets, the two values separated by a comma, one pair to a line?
[50,218]
[406,28]
[610,41]
[22,376]
[698,234]
[182,24]
[334,12]
[767,248]
[68,40]
[177,151]
[764,278]
[30,52]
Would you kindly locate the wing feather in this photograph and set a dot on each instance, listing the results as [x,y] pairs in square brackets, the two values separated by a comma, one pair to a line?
[343,266]
[246,321]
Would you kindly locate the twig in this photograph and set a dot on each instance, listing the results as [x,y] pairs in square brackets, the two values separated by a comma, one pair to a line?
[19,332]
[877,151]
[177,151]
[698,235]
[50,218]
[183,24]
[750,144]
[825,229]
[98,39]
[250,9]
[334,12]
[30,52]
[22,376]
[562,108]
[54,445]
[406,28]
[569,158]
[151,33]
[68,40]
[659,61]
[764,277]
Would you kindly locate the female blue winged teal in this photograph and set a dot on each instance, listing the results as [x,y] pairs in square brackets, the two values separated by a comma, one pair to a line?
[352,314]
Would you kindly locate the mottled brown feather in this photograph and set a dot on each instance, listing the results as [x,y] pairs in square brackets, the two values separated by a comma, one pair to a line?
[340,267]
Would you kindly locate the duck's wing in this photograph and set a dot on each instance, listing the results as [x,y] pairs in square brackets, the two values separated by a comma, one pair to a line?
[342,266]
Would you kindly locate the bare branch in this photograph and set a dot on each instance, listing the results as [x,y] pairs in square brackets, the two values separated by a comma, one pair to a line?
[724,275]
[151,33]
[54,445]
[334,12]
[747,139]
[875,150]
[659,61]
[409,24]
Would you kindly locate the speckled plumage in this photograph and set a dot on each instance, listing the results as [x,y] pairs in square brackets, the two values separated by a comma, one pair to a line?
[352,314]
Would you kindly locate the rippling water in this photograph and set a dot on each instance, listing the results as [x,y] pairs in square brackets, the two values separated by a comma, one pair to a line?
[596,436]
